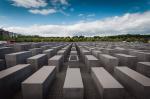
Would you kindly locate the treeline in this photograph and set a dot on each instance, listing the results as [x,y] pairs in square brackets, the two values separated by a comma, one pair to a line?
[127,38]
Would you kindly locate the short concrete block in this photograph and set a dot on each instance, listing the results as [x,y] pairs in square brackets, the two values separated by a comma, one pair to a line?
[96,53]
[142,56]
[73,53]
[5,50]
[134,82]
[37,61]
[11,78]
[57,61]
[91,61]
[73,61]
[2,64]
[109,62]
[108,87]
[73,86]
[17,58]
[127,60]
[143,68]
[49,52]
[37,85]
[36,51]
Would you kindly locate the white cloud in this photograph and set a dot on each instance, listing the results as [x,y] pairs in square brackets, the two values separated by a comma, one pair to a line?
[63,2]
[128,23]
[43,11]
[29,3]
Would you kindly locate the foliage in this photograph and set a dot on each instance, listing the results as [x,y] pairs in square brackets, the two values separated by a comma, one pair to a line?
[127,38]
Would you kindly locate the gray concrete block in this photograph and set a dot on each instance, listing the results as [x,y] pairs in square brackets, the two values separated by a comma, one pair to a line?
[96,53]
[84,52]
[121,50]
[142,56]
[108,87]
[49,53]
[110,51]
[57,61]
[5,50]
[11,78]
[91,61]
[2,64]
[37,61]
[37,85]
[45,47]
[73,52]
[36,51]
[73,49]
[35,45]
[109,62]
[143,68]
[17,58]
[22,47]
[73,86]
[73,61]
[127,60]
[134,82]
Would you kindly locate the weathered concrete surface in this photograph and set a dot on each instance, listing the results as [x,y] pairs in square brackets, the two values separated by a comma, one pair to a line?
[134,82]
[5,50]
[37,61]
[49,52]
[73,61]
[142,56]
[37,85]
[22,47]
[17,58]
[2,64]
[109,62]
[108,87]
[127,60]
[57,61]
[91,61]
[36,51]
[11,78]
[143,68]
[73,86]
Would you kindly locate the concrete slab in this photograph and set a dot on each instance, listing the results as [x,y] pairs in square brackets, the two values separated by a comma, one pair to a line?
[11,78]
[108,87]
[36,51]
[142,56]
[17,58]
[109,62]
[134,82]
[57,61]
[2,64]
[143,68]
[73,61]
[37,61]
[91,61]
[49,53]
[5,50]
[127,60]
[73,86]
[37,85]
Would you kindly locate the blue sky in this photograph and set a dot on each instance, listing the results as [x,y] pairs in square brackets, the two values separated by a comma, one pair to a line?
[75,17]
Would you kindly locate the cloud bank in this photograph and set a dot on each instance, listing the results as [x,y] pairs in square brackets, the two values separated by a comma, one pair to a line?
[136,23]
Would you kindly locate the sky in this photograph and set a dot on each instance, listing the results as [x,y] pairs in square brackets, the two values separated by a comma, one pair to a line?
[75,17]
